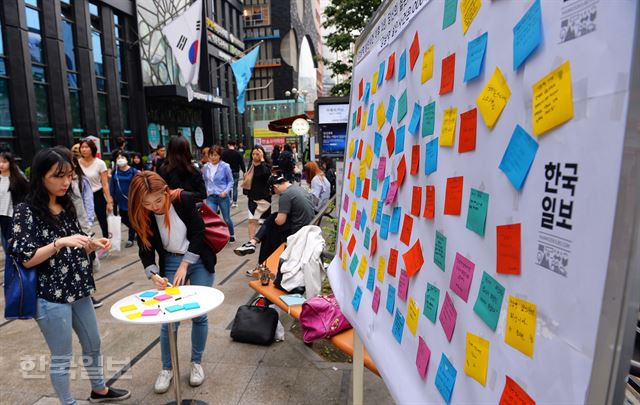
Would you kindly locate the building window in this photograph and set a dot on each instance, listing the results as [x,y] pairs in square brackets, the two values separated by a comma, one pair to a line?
[7,135]
[121,49]
[73,82]
[256,15]
[101,79]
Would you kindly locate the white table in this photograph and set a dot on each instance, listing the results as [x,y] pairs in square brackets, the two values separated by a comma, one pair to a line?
[208,298]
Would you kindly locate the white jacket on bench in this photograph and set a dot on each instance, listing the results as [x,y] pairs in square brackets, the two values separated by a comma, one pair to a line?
[302,264]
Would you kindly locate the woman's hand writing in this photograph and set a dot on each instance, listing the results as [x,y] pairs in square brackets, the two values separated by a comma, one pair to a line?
[160,282]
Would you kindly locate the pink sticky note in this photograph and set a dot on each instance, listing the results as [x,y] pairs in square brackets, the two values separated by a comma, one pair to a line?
[403,285]
[461,276]
[162,297]
[392,194]
[345,203]
[382,166]
[342,224]
[151,312]
[358,216]
[422,358]
[448,316]
[375,304]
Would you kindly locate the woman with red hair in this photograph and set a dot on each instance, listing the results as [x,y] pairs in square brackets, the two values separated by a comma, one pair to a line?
[320,186]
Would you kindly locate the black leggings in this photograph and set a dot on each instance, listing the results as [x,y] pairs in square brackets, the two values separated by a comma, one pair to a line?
[125,220]
[100,206]
[271,236]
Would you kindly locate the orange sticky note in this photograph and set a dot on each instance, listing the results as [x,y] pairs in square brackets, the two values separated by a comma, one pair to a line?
[374,244]
[402,170]
[414,51]
[393,262]
[513,394]
[416,201]
[360,92]
[359,115]
[468,126]
[351,245]
[365,189]
[415,159]
[391,141]
[407,228]
[430,202]
[390,66]
[453,196]
[448,74]
[508,247]
[360,145]
[413,259]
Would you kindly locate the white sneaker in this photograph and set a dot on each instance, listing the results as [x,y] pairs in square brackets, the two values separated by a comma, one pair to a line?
[197,375]
[163,381]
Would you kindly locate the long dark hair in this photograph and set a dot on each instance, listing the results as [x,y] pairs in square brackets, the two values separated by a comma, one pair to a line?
[264,154]
[178,156]
[18,184]
[38,196]
[79,173]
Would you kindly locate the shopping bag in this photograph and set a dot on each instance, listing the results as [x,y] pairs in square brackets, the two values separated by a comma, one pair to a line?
[115,231]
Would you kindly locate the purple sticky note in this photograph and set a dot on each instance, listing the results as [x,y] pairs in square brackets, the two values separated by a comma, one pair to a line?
[382,166]
[422,358]
[342,224]
[448,316]
[375,304]
[393,193]
[461,276]
[345,203]
[358,215]
[162,297]
[151,312]
[403,285]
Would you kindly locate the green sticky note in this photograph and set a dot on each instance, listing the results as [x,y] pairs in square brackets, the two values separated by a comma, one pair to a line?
[353,120]
[489,302]
[428,119]
[431,298]
[477,214]
[174,308]
[367,235]
[450,12]
[402,106]
[440,250]
[354,265]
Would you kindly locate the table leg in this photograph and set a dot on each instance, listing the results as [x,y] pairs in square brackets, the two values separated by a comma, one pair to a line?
[173,337]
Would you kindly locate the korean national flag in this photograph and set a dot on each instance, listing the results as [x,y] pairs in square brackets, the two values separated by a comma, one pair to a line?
[183,35]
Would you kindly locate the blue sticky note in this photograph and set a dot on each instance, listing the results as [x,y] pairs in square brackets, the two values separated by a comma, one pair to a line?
[377,144]
[371,279]
[489,302]
[527,34]
[395,220]
[148,294]
[391,299]
[353,120]
[354,264]
[518,157]
[379,214]
[381,70]
[358,187]
[385,189]
[391,108]
[371,113]
[191,305]
[355,149]
[398,326]
[428,119]
[367,238]
[440,250]
[431,300]
[357,297]
[374,183]
[402,106]
[431,156]
[367,90]
[415,118]
[450,12]
[384,226]
[174,308]
[363,219]
[475,57]
[477,213]
[446,378]
[400,134]
[402,67]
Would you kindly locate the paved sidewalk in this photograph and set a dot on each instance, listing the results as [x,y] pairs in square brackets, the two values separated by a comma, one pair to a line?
[286,372]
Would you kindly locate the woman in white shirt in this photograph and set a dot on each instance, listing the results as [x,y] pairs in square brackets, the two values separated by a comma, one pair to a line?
[320,186]
[96,171]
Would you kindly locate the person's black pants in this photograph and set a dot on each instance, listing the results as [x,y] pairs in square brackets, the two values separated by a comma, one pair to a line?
[271,236]
[125,220]
[100,206]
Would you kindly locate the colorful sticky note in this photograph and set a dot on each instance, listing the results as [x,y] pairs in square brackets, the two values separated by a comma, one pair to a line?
[148,294]
[489,302]
[357,297]
[373,244]
[552,100]
[416,201]
[445,378]
[402,171]
[390,68]
[353,120]
[151,302]
[447,76]
[402,106]
[413,258]
[190,305]
[351,245]
[513,394]
[453,195]
[476,360]
[172,291]
[134,315]
[440,250]
[374,83]
[174,308]
[493,98]
[415,118]
[518,157]
[381,72]
[391,196]
[415,161]
[127,308]
[399,144]
[377,144]
[359,118]
[390,109]
[151,312]
[448,130]
[371,278]
[413,313]
[398,326]
[468,125]
[430,202]
[462,276]
[477,213]
[431,156]
[414,51]
[162,297]
[362,267]
[508,249]
[371,114]
[527,34]
[347,230]
[375,302]
[450,12]
[345,206]
[476,50]
[382,262]
[360,89]
[422,358]
[468,11]
[428,119]
[382,167]
[431,299]
[391,299]
[391,141]
[448,317]
[364,121]
[393,262]
[403,285]
[402,66]
[384,226]
[354,265]
[521,325]
[367,91]
[380,118]
[427,65]
[395,219]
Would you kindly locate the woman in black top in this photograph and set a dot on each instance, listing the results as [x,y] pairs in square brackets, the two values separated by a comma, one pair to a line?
[48,239]
[259,196]
[178,171]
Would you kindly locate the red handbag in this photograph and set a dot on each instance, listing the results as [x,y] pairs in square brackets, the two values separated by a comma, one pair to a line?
[321,318]
[216,232]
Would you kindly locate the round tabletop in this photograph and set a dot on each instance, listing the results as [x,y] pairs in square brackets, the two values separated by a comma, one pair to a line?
[170,306]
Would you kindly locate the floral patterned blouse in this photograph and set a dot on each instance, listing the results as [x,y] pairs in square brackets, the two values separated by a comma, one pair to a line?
[64,277]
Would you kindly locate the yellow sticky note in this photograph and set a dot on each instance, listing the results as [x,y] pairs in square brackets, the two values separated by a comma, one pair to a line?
[427,65]
[374,83]
[352,182]
[382,264]
[354,208]
[476,361]
[344,261]
[552,100]
[374,209]
[368,156]
[521,325]
[352,145]
[127,308]
[413,313]
[154,301]
[362,170]
[362,267]
[134,315]
[363,121]
[448,130]
[493,98]
[172,291]
[380,117]
[469,9]
[347,231]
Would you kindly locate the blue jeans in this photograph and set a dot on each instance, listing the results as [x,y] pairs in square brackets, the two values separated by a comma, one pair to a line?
[214,201]
[234,189]
[56,321]
[198,275]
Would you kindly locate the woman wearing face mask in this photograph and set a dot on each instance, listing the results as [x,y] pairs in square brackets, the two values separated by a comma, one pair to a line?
[120,180]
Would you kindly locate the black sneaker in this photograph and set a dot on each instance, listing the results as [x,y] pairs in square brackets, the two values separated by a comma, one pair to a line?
[246,249]
[232,239]
[113,394]
[96,303]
